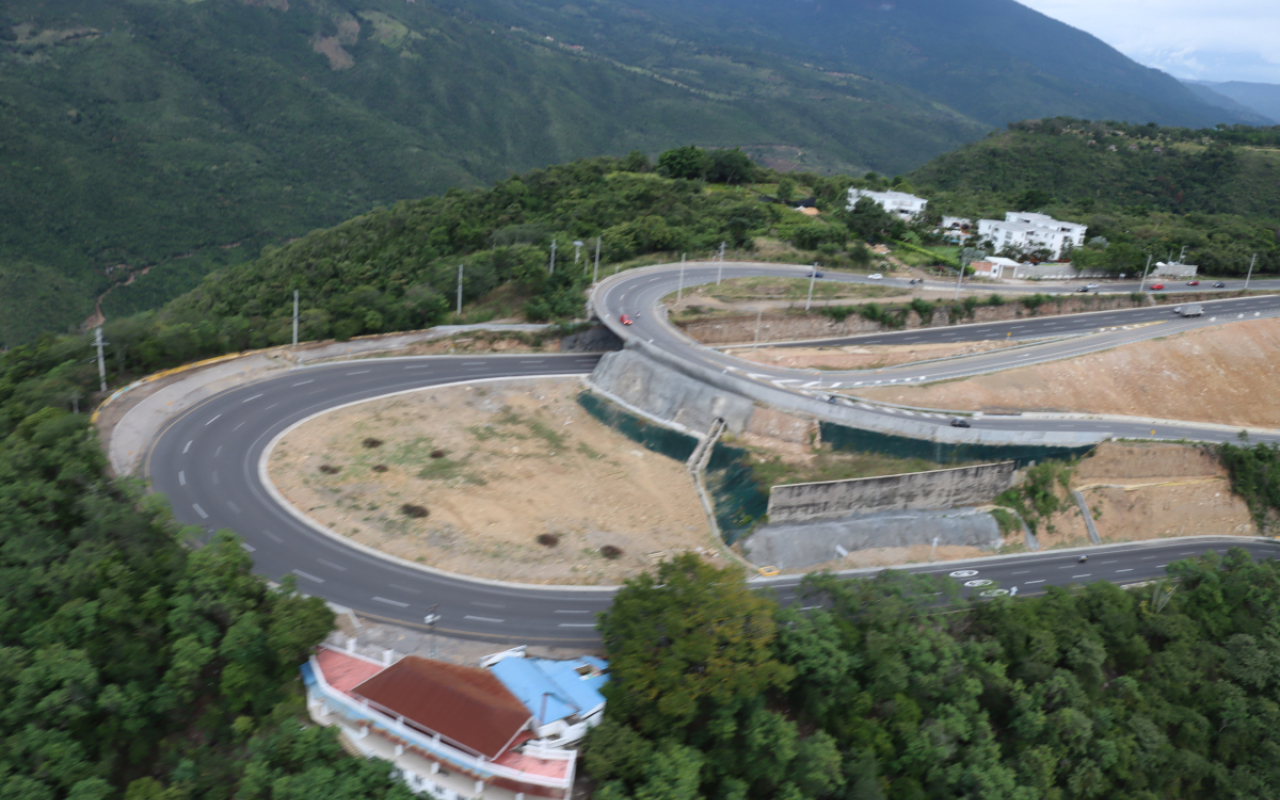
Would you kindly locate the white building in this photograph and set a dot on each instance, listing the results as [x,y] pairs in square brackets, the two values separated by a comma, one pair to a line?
[993,267]
[1030,232]
[901,204]
[1173,270]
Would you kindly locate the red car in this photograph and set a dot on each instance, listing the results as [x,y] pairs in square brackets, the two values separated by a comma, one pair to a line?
[1193,283]
[624,319]
[1155,287]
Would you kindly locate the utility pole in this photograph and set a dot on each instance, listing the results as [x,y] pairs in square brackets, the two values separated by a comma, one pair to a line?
[431,619]
[680,289]
[102,364]
[720,269]
[1142,287]
[595,277]
[295,317]
[934,551]
[1183,254]
[577,250]
[813,277]
[1249,277]
[459,290]
[960,277]
[553,257]
[757,344]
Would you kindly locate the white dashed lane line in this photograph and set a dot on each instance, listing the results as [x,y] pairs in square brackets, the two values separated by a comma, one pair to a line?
[488,605]
[569,624]
[188,447]
[395,603]
[561,611]
[307,575]
[479,619]
[250,399]
[304,383]
[272,536]
[332,565]
[182,478]
[233,506]
[199,511]
[215,419]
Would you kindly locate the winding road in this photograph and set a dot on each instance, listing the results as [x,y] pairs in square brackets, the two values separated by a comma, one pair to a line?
[209,462]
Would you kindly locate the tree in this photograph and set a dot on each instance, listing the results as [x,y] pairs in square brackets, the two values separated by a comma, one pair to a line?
[687,643]
[690,162]
[730,166]
[868,219]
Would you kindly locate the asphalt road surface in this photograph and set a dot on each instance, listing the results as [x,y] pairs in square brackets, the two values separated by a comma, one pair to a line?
[207,461]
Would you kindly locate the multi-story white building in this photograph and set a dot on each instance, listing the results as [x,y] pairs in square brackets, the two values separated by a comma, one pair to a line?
[1030,232]
[901,204]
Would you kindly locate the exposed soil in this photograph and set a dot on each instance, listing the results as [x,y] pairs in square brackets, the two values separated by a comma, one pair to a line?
[1149,491]
[848,357]
[1222,374]
[495,467]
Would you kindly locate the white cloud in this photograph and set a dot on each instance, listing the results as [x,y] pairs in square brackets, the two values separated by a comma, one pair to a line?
[1221,41]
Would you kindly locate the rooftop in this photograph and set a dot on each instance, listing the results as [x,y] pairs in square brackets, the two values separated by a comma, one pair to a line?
[466,705]
[553,690]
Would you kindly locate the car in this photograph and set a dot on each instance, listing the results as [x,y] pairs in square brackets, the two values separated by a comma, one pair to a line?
[1082,289]
[624,319]
[1091,286]
[960,423]
[814,274]
[1219,285]
[875,276]
[1193,283]
[1155,287]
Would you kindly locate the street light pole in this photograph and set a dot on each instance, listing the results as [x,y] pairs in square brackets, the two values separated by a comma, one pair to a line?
[295,317]
[595,277]
[577,249]
[720,269]
[813,277]
[960,277]
[431,619]
[459,290]
[1142,287]
[1249,277]
[552,271]
[680,288]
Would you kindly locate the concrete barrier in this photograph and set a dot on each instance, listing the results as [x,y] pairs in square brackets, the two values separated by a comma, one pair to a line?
[668,393]
[938,489]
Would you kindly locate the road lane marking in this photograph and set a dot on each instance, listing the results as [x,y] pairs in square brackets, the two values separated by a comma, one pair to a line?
[561,611]
[248,547]
[214,475]
[567,624]
[233,506]
[304,383]
[215,419]
[306,575]
[182,478]
[332,565]
[487,605]
[1124,570]
[217,452]
[539,361]
[395,603]
[1086,575]
[482,619]
[250,399]
[1023,572]
[404,588]
[272,536]
[360,372]
[1031,582]
[199,510]
[188,447]
[420,367]
[238,427]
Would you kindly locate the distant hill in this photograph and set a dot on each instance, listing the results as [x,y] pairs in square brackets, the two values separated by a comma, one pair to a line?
[1206,93]
[1263,98]
[147,143]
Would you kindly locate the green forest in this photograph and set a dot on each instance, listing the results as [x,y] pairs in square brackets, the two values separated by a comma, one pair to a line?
[180,137]
[883,692]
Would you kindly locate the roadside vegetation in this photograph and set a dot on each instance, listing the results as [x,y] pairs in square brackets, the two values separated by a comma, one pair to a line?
[878,692]
[1255,476]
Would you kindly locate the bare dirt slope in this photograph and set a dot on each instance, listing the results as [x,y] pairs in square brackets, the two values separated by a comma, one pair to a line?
[1149,491]
[1222,374]
[494,466]
[875,356]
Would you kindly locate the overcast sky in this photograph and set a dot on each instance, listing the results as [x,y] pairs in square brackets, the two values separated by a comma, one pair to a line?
[1212,40]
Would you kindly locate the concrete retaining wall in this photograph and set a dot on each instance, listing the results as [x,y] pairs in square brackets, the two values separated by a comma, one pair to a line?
[804,544]
[939,489]
[669,394]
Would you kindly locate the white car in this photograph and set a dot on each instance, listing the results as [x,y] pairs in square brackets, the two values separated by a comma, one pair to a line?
[1091,286]
[875,276]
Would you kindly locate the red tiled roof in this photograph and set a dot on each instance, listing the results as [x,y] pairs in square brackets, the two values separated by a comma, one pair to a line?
[465,704]
[344,672]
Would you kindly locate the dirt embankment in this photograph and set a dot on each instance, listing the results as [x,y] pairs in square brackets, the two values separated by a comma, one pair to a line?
[725,327]
[468,479]
[875,356]
[1223,374]
[1148,491]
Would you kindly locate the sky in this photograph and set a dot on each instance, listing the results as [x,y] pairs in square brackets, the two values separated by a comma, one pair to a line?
[1210,40]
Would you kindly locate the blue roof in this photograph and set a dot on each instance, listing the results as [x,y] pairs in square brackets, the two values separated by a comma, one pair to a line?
[553,690]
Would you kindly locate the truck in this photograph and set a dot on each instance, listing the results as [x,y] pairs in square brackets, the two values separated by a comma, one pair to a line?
[1190,310]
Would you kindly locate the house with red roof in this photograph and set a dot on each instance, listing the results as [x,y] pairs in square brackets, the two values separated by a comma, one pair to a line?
[454,732]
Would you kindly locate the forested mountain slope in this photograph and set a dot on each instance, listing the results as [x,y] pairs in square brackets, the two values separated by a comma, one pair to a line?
[184,136]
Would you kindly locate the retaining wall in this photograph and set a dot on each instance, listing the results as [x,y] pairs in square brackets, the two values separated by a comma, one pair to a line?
[939,489]
[670,394]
